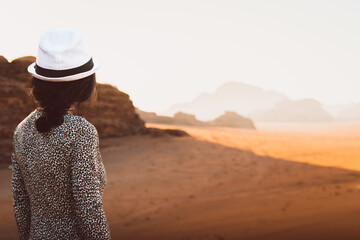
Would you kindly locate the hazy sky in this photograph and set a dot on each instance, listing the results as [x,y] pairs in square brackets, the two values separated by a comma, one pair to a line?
[166,52]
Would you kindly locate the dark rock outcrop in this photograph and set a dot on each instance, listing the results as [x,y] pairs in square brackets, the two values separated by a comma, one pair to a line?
[113,113]
[14,101]
[156,132]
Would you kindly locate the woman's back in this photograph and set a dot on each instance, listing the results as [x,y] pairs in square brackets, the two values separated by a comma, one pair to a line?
[58,180]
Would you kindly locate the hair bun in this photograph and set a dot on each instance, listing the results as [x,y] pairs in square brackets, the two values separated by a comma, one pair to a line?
[50,118]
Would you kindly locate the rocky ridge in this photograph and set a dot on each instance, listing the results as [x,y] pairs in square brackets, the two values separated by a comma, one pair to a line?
[228,119]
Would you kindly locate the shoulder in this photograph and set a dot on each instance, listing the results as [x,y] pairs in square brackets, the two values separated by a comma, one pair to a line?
[24,125]
[81,127]
[83,135]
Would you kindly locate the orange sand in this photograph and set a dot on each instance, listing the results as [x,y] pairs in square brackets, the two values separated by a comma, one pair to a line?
[301,184]
[326,144]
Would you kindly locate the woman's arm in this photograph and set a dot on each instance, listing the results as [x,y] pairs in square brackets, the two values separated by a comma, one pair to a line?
[21,201]
[88,179]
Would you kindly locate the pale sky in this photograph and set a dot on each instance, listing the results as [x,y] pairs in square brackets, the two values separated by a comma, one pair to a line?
[167,52]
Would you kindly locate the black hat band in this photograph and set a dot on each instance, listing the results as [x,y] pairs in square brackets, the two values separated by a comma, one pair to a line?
[64,73]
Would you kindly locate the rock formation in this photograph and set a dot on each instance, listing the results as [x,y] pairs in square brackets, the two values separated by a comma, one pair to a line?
[14,101]
[179,118]
[187,119]
[152,117]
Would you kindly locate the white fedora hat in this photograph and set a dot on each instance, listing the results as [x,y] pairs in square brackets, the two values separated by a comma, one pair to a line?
[63,56]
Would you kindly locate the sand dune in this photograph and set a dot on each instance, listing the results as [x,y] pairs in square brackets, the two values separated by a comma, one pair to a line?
[207,187]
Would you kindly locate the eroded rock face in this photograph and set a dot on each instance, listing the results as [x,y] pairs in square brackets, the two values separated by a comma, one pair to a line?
[14,101]
[113,113]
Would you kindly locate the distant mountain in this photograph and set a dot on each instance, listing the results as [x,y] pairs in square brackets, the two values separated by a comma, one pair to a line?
[231,96]
[304,110]
[228,119]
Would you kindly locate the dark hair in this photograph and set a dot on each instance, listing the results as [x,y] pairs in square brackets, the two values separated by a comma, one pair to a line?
[56,98]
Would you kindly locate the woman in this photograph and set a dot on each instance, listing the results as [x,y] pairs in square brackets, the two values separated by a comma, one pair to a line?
[58,175]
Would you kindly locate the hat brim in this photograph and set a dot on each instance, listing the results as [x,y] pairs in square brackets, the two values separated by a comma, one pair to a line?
[31,70]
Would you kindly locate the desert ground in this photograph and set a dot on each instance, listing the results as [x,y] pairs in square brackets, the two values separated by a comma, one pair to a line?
[289,181]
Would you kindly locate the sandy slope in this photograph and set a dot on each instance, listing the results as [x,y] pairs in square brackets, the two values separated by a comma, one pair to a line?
[189,188]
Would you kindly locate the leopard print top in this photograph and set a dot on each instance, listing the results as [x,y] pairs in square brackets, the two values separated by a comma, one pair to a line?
[58,180]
